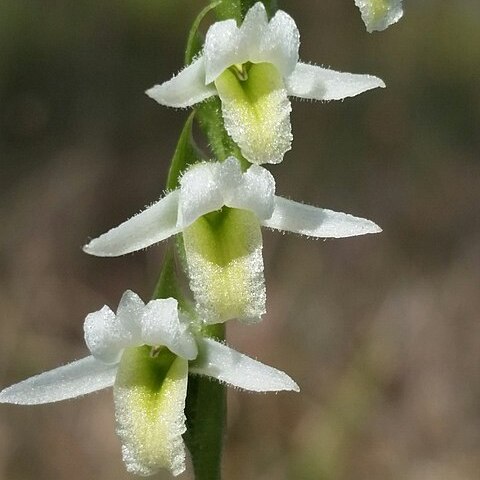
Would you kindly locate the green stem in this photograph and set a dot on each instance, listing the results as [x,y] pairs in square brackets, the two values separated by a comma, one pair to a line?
[206,409]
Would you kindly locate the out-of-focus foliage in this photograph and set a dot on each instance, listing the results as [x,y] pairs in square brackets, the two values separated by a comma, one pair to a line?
[382,333]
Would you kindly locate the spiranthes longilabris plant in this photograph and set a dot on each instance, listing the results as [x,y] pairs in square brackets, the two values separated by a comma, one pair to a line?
[167,360]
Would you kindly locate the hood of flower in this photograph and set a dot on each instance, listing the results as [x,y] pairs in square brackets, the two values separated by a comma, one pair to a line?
[257,40]
[158,323]
[207,187]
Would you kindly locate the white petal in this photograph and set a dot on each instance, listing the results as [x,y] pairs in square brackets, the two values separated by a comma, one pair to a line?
[185,89]
[207,187]
[296,217]
[222,49]
[227,365]
[227,45]
[154,224]
[252,31]
[72,380]
[255,191]
[107,334]
[256,41]
[149,396]
[104,336]
[276,42]
[201,192]
[129,312]
[317,83]
[279,44]
[379,14]
[161,325]
[255,21]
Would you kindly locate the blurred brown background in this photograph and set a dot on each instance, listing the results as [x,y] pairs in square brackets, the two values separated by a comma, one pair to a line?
[382,333]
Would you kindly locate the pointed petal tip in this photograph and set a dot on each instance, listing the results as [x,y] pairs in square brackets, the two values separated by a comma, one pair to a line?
[288,385]
[370,227]
[372,82]
[380,83]
[160,95]
[150,92]
[221,362]
[185,89]
[324,84]
[87,249]
[93,248]
[361,227]
[295,217]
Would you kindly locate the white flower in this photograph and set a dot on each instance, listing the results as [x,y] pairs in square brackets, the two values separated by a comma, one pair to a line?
[253,69]
[224,249]
[149,384]
[379,14]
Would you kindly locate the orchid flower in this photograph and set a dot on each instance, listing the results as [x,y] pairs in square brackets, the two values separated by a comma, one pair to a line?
[379,14]
[254,68]
[146,353]
[220,210]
